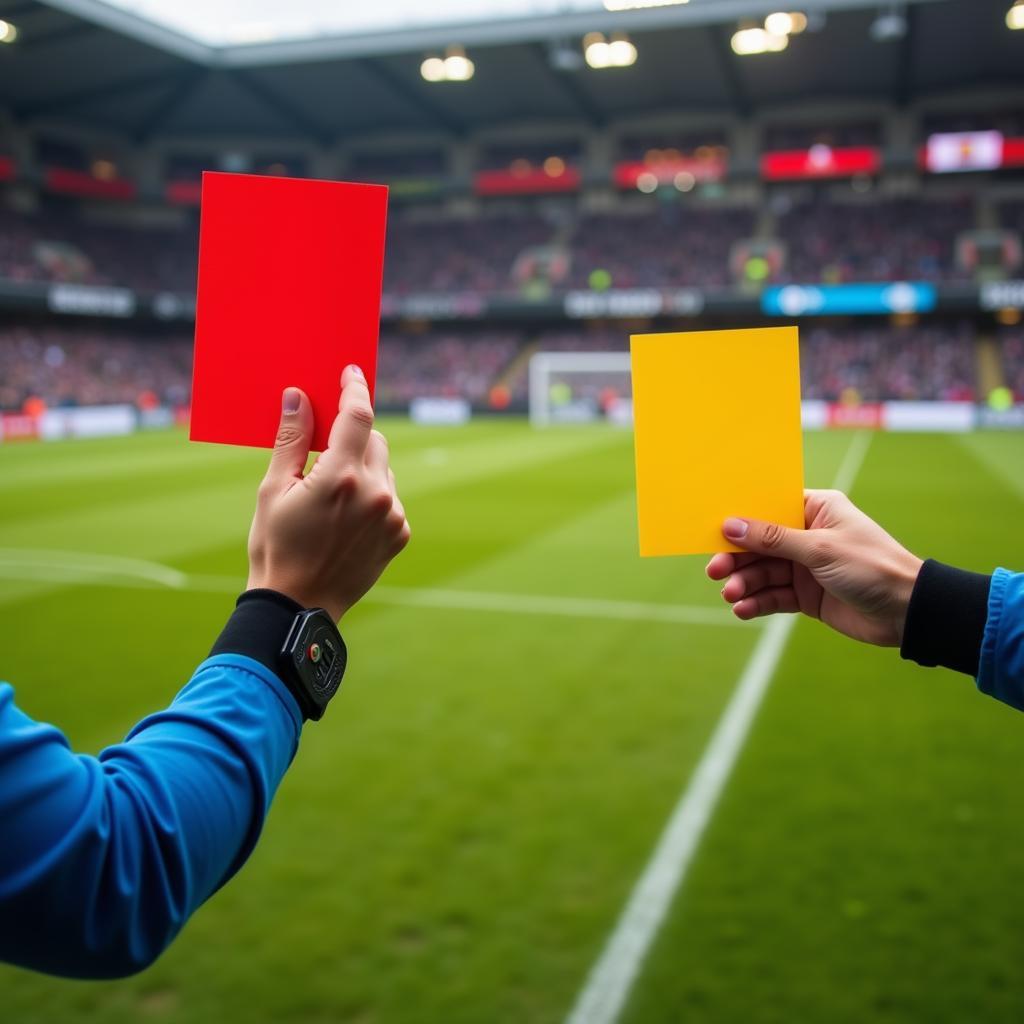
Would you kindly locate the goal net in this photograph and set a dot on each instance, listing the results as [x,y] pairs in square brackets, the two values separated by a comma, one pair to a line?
[580,387]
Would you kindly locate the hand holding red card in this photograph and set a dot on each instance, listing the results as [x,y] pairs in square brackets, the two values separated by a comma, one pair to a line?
[289,295]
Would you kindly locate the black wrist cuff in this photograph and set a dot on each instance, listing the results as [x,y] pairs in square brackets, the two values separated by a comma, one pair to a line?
[258,627]
[946,618]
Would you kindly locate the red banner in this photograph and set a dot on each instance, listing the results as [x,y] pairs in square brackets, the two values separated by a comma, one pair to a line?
[869,415]
[1013,152]
[80,183]
[821,162]
[15,426]
[184,193]
[531,182]
[627,172]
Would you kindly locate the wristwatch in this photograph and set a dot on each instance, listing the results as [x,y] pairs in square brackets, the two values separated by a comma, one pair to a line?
[312,661]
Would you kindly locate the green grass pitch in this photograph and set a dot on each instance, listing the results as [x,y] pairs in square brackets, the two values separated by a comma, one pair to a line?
[459,835]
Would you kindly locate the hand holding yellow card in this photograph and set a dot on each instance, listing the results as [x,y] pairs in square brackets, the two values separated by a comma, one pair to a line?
[717,429]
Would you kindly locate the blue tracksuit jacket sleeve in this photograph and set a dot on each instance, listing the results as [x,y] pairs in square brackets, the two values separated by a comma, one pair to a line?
[103,859]
[1001,667]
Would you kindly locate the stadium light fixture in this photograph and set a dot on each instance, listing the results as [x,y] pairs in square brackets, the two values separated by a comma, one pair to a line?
[785,23]
[746,42]
[432,69]
[599,53]
[455,66]
[8,32]
[1015,15]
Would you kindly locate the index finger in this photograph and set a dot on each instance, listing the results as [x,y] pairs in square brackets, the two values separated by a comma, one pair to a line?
[350,432]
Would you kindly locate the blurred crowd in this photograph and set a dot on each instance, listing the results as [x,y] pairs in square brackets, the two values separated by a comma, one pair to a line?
[879,363]
[897,240]
[657,245]
[61,366]
[440,364]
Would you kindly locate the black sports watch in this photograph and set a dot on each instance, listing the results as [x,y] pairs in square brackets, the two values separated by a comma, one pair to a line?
[301,646]
[312,661]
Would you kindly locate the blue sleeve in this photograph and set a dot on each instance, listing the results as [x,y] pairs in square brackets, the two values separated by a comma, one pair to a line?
[103,859]
[1001,668]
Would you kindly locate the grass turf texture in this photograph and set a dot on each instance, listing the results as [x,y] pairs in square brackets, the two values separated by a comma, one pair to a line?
[460,833]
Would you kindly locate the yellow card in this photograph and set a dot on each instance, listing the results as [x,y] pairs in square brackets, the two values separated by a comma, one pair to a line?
[717,432]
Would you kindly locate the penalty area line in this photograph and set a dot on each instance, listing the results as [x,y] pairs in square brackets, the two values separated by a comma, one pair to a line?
[610,981]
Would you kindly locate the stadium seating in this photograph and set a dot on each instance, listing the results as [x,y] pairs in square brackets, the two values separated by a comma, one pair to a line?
[895,240]
[656,246]
[73,366]
[67,367]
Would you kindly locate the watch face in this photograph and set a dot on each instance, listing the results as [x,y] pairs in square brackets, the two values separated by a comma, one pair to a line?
[318,657]
[322,655]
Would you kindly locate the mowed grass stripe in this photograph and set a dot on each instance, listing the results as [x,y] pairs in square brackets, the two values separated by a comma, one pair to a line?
[863,864]
[486,787]
[182,519]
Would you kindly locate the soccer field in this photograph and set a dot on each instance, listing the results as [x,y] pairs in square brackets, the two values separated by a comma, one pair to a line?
[525,705]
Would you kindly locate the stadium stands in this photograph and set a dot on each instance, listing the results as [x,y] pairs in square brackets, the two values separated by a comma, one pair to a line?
[656,246]
[68,367]
[76,366]
[894,240]
[669,247]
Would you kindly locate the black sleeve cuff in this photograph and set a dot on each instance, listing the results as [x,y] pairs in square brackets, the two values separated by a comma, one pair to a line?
[258,627]
[946,618]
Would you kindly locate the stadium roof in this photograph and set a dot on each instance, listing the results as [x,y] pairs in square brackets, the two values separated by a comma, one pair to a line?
[92,62]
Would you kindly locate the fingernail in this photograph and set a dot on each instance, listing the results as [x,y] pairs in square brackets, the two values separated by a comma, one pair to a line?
[355,371]
[290,401]
[735,529]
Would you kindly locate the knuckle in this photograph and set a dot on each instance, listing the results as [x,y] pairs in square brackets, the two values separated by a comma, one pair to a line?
[773,535]
[362,414]
[380,501]
[287,435]
[381,439]
[265,491]
[347,482]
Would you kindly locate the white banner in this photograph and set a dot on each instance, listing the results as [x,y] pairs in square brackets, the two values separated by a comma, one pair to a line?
[964,151]
[439,412]
[87,421]
[930,417]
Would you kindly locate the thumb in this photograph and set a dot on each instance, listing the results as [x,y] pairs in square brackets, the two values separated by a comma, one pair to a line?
[294,436]
[769,539]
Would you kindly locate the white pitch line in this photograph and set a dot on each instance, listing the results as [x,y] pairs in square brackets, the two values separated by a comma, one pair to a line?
[81,566]
[78,568]
[604,994]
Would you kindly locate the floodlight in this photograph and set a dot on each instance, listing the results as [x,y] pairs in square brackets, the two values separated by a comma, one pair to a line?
[432,69]
[621,51]
[1015,15]
[749,41]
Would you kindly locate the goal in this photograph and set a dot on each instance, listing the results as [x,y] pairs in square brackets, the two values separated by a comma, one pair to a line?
[580,387]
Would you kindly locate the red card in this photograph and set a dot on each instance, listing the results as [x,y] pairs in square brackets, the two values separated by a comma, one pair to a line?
[289,294]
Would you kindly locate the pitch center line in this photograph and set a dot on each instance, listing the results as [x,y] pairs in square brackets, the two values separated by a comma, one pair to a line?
[604,994]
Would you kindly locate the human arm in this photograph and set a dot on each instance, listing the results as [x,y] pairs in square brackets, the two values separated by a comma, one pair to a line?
[102,860]
[845,570]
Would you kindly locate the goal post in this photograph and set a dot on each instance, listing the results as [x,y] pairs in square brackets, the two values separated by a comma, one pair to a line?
[575,387]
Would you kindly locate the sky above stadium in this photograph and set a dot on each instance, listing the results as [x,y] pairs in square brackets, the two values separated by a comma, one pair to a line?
[240,22]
